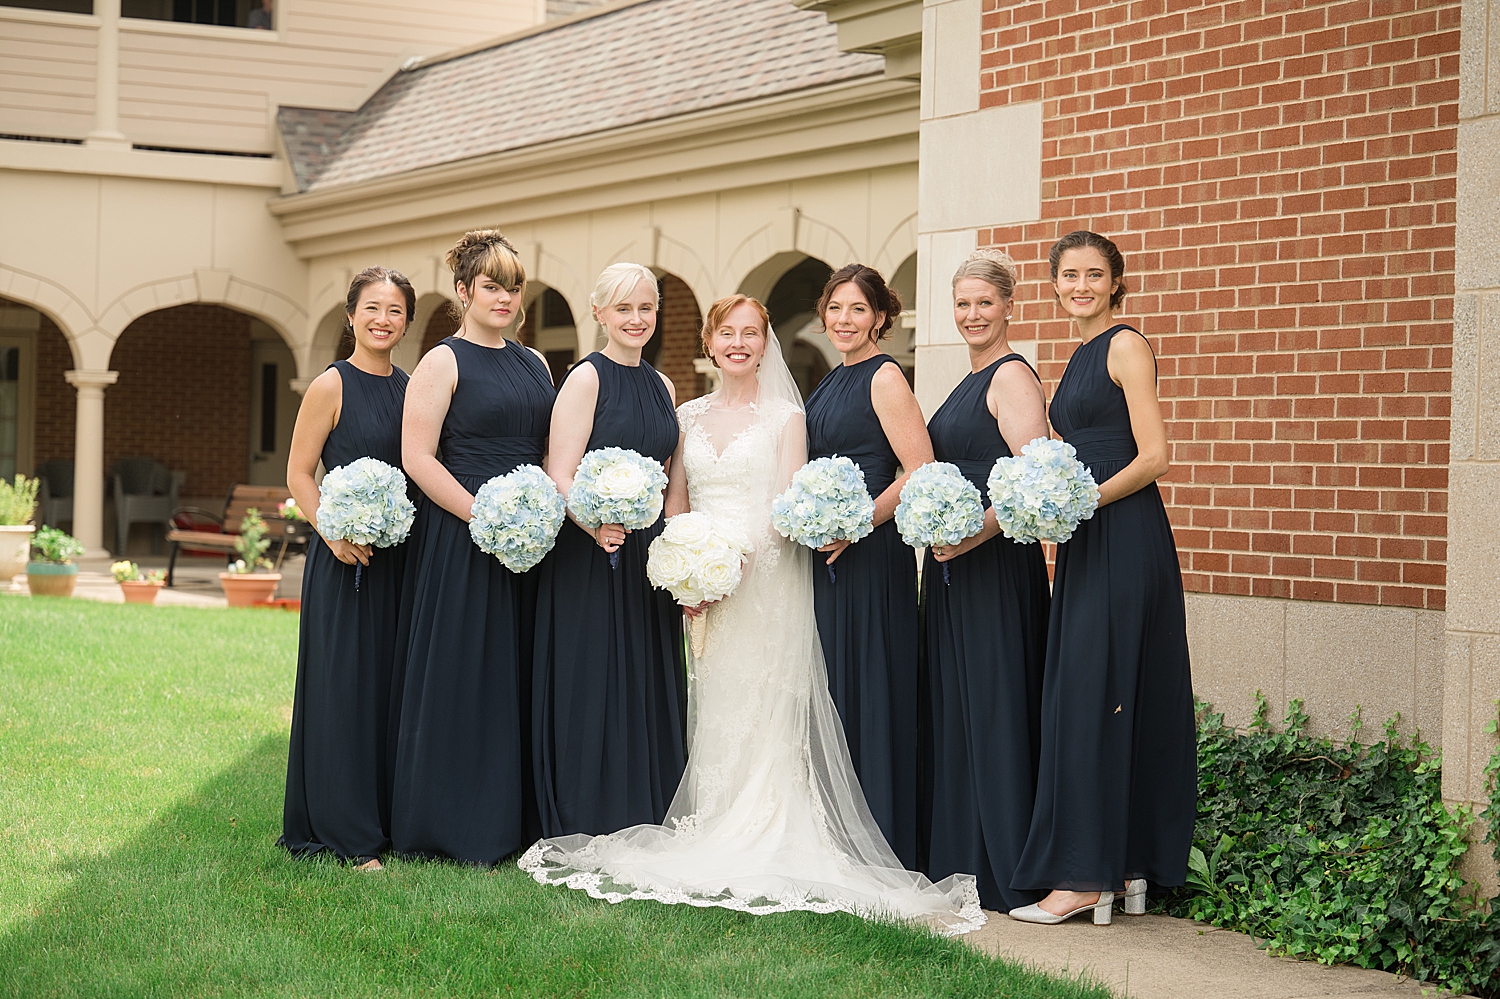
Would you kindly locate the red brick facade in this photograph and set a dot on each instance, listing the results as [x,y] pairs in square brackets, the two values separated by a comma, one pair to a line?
[183,395]
[678,326]
[1281,177]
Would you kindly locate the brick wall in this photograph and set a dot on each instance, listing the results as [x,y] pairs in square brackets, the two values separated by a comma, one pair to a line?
[1280,176]
[678,326]
[183,395]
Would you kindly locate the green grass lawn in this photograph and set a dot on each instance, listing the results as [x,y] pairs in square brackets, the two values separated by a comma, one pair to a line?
[142,759]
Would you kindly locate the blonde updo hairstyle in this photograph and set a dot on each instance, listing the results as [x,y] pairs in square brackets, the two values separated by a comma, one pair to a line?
[994,267]
[487,252]
[720,310]
[615,284]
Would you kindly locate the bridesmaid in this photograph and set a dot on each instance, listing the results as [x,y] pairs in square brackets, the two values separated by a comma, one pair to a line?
[1117,788]
[478,407]
[986,620]
[866,593]
[337,772]
[610,697]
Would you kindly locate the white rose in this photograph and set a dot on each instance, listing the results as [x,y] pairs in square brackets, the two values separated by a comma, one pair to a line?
[621,480]
[666,564]
[732,537]
[718,571]
[691,530]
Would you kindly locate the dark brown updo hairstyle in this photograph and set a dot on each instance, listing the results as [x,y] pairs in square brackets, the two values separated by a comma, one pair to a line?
[720,311]
[1083,239]
[377,275]
[487,252]
[872,286]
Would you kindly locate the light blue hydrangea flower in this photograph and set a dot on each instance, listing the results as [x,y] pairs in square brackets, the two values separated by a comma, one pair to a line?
[827,501]
[1043,493]
[516,517]
[365,502]
[938,507]
[615,485]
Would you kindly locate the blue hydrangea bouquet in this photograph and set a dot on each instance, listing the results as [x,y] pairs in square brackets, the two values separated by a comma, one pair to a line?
[615,485]
[939,507]
[365,502]
[1043,493]
[516,517]
[827,501]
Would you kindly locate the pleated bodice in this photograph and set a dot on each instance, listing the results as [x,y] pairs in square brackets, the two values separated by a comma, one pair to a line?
[841,420]
[634,410]
[964,432]
[500,413]
[1089,409]
[369,418]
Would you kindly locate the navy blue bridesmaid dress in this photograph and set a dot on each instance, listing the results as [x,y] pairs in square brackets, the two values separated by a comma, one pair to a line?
[985,635]
[462,754]
[867,613]
[1117,783]
[610,690]
[338,774]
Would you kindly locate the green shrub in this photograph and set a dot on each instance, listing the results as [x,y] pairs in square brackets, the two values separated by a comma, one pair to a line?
[1338,852]
[17,500]
[51,545]
[252,544]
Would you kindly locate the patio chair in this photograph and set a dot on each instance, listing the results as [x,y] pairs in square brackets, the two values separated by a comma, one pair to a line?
[55,492]
[145,491]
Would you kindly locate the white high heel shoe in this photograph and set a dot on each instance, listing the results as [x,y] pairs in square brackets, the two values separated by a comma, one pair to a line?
[1135,897]
[1103,911]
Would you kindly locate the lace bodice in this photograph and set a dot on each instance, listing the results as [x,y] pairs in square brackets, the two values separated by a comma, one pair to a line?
[735,463]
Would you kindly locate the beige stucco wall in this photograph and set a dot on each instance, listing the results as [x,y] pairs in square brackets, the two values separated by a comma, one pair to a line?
[1472,672]
[94,251]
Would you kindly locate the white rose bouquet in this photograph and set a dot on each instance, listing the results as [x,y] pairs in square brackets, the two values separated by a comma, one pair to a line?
[939,507]
[365,502]
[826,501]
[615,485]
[697,561]
[1043,493]
[516,517]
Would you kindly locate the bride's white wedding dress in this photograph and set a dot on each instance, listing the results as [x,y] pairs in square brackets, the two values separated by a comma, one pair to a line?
[769,816]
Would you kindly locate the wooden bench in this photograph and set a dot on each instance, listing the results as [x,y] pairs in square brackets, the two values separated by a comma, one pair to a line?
[241,499]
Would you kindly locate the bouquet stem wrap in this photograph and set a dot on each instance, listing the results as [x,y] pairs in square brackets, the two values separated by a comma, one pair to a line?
[698,635]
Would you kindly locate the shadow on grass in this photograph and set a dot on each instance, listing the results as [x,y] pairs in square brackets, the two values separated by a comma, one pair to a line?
[202,903]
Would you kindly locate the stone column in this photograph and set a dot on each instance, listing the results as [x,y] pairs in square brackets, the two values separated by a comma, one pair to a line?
[1471,679]
[88,459]
[106,132]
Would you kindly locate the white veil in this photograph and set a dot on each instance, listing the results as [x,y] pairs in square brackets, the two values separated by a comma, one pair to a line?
[769,816]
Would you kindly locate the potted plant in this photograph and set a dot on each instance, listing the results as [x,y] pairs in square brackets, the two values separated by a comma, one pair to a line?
[138,587]
[249,581]
[51,572]
[17,504]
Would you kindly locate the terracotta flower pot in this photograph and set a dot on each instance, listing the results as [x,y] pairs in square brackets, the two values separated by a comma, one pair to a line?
[49,579]
[246,589]
[15,549]
[140,591]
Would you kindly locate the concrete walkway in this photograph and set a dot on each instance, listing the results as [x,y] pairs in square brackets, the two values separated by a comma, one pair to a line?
[197,581]
[1158,957]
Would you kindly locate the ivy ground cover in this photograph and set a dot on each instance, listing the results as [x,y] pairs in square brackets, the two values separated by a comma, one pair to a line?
[142,760]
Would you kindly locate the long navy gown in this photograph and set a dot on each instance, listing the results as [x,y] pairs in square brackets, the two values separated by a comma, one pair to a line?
[462,757]
[610,691]
[985,630]
[1117,784]
[867,613]
[337,772]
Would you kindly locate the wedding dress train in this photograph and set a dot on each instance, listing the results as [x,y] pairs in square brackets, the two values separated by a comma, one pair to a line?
[769,816]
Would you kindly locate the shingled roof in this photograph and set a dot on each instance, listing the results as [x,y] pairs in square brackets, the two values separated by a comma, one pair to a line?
[645,62]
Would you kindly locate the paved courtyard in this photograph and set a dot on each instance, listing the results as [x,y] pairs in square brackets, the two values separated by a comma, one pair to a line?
[196,581]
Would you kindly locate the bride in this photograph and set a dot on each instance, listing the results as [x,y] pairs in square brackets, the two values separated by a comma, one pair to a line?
[769,816]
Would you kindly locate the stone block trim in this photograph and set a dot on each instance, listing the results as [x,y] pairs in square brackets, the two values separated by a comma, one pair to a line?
[1281,177]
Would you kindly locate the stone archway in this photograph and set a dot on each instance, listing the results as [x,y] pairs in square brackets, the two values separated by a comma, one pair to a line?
[676,342]
[793,283]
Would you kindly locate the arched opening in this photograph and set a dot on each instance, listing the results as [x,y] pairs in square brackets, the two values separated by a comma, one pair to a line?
[902,344]
[37,407]
[551,329]
[792,302]
[204,390]
[442,321]
[674,349]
